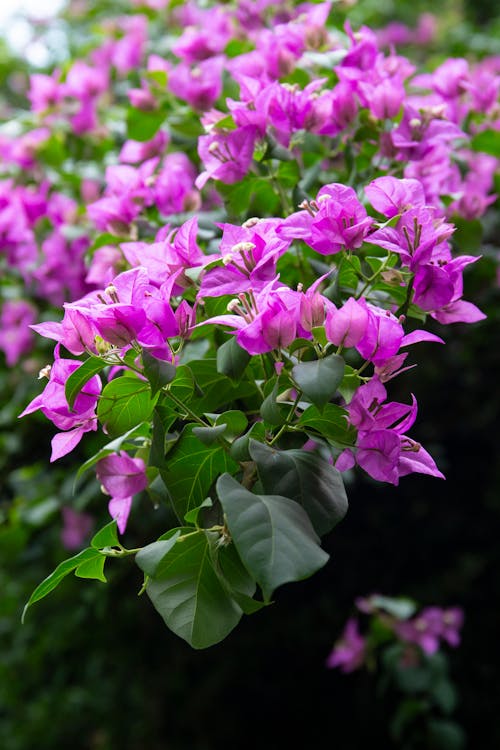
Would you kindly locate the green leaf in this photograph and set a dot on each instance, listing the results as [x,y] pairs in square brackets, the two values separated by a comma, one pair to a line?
[105,537]
[240,447]
[124,403]
[235,422]
[236,579]
[272,534]
[209,435]
[93,567]
[288,174]
[157,371]
[306,478]
[232,359]
[488,141]
[350,384]
[319,380]
[468,237]
[192,515]
[272,412]
[81,376]
[143,125]
[445,735]
[216,390]
[150,557]
[182,386]
[332,423]
[189,594]
[55,578]
[191,469]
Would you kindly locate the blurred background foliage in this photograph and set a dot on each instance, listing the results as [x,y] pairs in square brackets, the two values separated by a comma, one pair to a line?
[95,669]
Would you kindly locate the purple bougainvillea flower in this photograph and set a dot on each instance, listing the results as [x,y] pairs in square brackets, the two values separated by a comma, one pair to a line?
[15,336]
[122,477]
[391,196]
[349,652]
[226,156]
[335,221]
[382,448]
[53,404]
[346,326]
[76,527]
[430,626]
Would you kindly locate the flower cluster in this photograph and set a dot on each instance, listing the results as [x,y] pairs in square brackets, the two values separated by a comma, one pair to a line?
[427,630]
[235,232]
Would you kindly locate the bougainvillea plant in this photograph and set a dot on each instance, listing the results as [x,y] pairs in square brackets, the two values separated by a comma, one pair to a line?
[238,232]
[404,647]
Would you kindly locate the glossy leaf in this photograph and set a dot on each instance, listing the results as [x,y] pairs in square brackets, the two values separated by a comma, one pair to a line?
[78,379]
[209,435]
[273,535]
[92,568]
[272,412]
[306,478]
[124,403]
[189,594]
[216,390]
[331,423]
[193,515]
[191,469]
[235,421]
[158,372]
[232,359]
[319,380]
[150,557]
[240,447]
[105,537]
[182,386]
[55,578]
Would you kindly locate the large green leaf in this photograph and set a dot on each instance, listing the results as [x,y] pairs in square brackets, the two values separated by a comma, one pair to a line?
[319,380]
[306,478]
[81,376]
[191,469]
[272,534]
[190,596]
[124,403]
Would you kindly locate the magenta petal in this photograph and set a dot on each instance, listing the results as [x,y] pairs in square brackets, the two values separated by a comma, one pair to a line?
[122,475]
[119,510]
[64,442]
[459,312]
[417,336]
